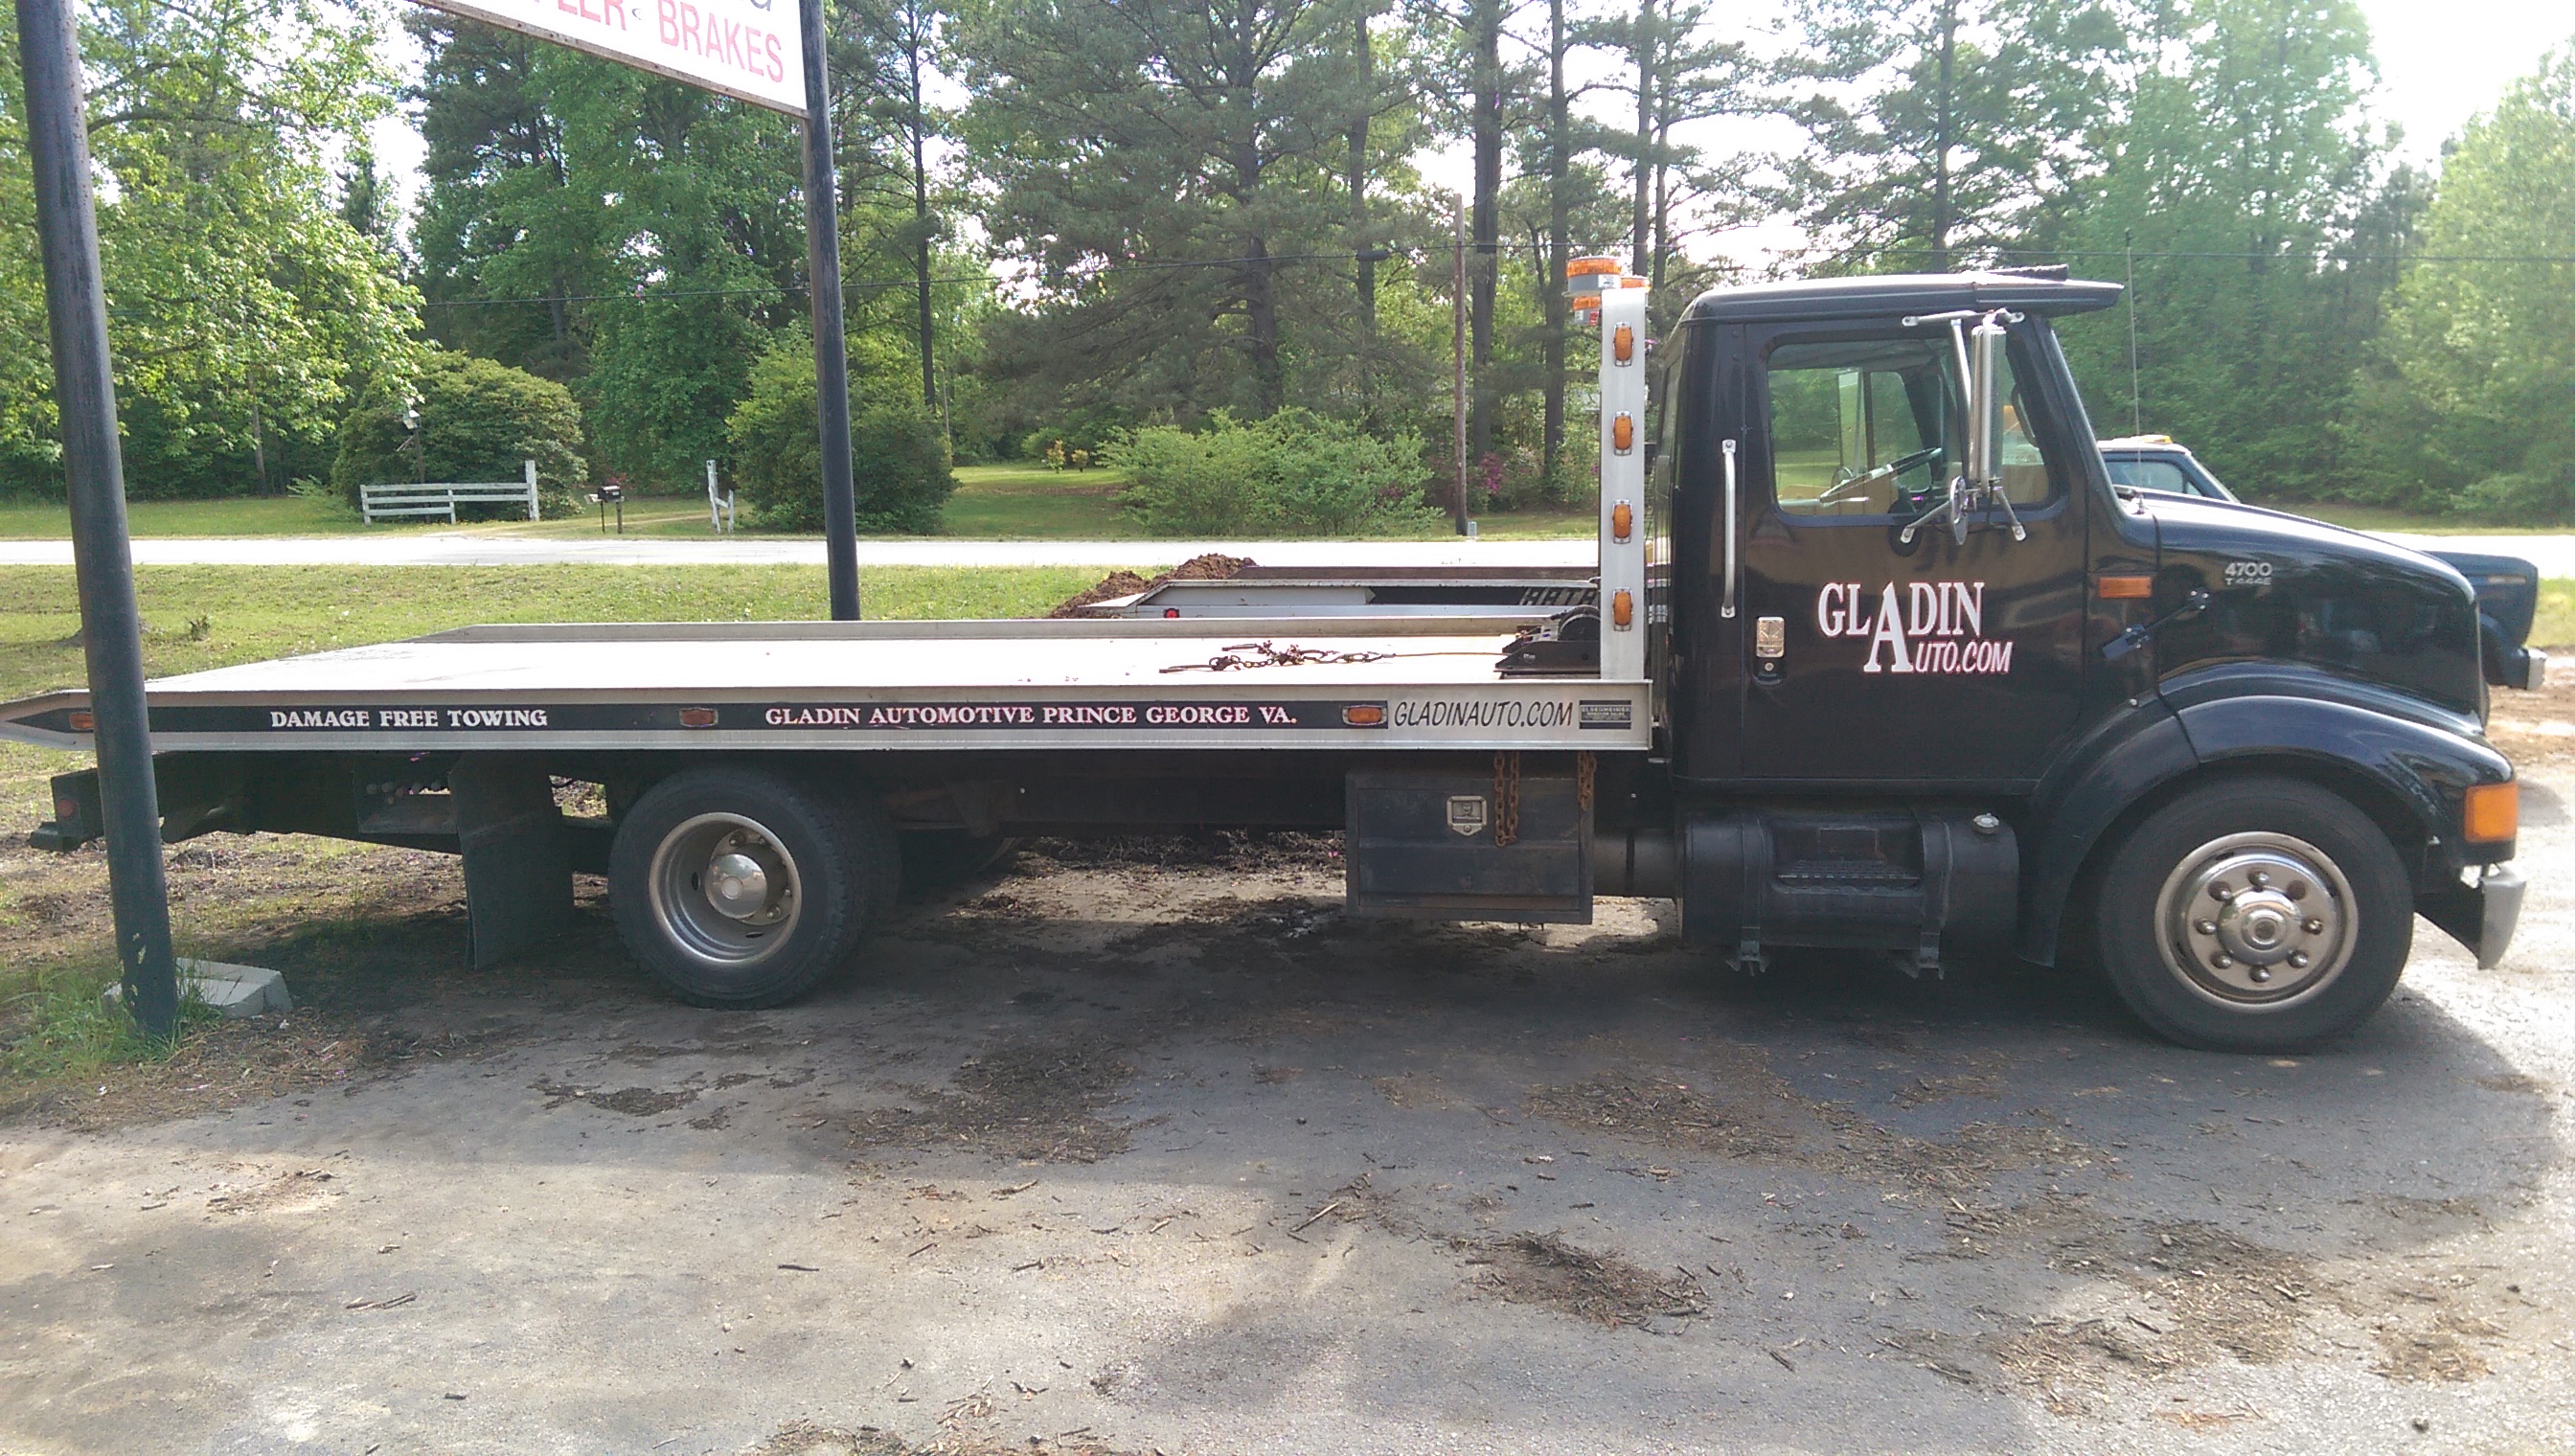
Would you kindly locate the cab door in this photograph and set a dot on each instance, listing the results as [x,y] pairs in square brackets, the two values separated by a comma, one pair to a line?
[1874,657]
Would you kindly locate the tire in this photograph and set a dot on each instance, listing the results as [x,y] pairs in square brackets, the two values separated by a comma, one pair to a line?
[2254,915]
[934,859]
[813,871]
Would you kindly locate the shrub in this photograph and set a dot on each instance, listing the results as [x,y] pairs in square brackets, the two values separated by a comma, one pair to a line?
[478,422]
[898,455]
[1294,473]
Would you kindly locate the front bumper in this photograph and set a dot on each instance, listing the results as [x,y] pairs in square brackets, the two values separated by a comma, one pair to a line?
[2480,916]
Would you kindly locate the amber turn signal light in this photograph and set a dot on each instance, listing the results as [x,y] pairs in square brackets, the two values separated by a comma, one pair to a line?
[2492,813]
[1623,610]
[2124,588]
[1623,521]
[1623,433]
[1622,344]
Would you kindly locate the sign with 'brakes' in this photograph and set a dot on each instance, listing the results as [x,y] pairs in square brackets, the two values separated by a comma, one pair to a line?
[751,48]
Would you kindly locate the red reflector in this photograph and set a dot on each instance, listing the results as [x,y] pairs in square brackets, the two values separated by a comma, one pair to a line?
[697,718]
[66,809]
[1170,611]
[83,721]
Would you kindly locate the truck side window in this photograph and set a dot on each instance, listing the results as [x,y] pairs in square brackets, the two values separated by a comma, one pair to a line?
[1870,429]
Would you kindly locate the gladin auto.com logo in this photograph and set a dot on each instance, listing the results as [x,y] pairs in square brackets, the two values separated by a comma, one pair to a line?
[1921,626]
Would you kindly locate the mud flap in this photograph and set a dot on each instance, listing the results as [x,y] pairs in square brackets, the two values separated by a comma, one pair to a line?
[518,858]
[2480,916]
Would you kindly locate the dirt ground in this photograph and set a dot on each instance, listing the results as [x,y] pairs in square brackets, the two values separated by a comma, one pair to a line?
[1146,1147]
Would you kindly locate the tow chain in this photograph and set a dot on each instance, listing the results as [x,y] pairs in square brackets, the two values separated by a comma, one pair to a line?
[1291,655]
[1507,799]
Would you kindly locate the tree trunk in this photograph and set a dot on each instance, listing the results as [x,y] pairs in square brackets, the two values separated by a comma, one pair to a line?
[1259,275]
[1358,176]
[918,124]
[1941,140]
[1487,19]
[1558,225]
[1645,48]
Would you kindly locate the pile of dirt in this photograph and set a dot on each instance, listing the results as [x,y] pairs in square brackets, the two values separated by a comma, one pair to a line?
[1035,1101]
[1541,1269]
[1213,567]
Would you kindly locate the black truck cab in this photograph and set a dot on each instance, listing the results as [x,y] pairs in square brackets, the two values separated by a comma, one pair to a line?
[2183,716]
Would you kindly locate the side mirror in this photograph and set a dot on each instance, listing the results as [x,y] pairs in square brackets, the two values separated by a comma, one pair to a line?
[1984,405]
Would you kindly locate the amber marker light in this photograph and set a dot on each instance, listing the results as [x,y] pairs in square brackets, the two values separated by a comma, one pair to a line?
[1622,431]
[83,721]
[2492,813]
[1623,521]
[1364,714]
[1622,344]
[2125,588]
[1623,610]
[695,717]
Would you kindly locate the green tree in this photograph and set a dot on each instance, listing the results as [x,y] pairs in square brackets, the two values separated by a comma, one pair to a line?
[1167,167]
[2254,195]
[1940,126]
[476,420]
[242,305]
[2469,403]
[899,454]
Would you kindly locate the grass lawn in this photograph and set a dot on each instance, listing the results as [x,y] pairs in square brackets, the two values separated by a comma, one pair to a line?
[1016,501]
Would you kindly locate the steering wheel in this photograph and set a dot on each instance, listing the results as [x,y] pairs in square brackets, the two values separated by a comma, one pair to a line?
[1847,482]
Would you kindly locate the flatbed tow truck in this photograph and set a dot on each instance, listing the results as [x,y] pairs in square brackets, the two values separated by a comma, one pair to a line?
[1874,657]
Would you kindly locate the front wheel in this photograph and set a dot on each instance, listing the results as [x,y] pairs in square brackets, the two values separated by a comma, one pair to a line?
[738,888]
[2256,915]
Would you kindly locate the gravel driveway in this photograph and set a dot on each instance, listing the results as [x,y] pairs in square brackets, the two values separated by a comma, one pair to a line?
[1154,1151]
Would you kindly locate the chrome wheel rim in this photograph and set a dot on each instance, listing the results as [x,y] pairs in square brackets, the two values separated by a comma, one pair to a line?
[724,889]
[2256,921]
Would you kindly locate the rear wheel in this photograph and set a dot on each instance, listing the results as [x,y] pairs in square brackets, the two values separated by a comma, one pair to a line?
[740,888]
[2261,914]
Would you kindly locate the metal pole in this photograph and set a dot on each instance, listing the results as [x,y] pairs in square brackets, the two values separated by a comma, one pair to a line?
[1457,289]
[830,348]
[111,627]
[2136,400]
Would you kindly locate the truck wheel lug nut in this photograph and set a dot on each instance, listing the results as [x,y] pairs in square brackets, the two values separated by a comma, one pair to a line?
[2260,974]
[2221,961]
[2206,927]
[2314,925]
[2221,891]
[2297,960]
[2258,878]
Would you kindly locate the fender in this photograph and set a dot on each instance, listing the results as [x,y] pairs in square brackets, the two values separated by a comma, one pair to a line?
[2426,771]
[2123,759]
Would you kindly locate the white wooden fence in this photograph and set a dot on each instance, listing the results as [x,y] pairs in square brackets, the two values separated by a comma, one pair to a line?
[441,498]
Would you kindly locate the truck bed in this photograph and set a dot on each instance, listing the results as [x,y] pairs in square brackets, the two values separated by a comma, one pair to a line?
[1384,683]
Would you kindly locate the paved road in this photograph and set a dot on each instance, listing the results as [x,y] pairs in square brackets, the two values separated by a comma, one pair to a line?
[2554,555]
[473,550]
[1109,1155]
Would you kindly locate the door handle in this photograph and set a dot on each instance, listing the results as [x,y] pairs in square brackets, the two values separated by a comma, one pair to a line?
[1731,565]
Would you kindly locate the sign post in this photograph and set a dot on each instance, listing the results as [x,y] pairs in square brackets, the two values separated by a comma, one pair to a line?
[747,50]
[94,470]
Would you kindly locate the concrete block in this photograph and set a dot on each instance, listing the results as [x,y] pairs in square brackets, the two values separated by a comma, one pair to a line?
[238,992]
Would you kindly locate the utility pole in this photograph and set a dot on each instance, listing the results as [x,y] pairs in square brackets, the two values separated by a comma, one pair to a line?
[1458,293]
[94,471]
[830,348]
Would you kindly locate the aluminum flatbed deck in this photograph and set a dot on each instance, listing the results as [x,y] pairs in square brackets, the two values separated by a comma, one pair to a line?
[1357,684]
